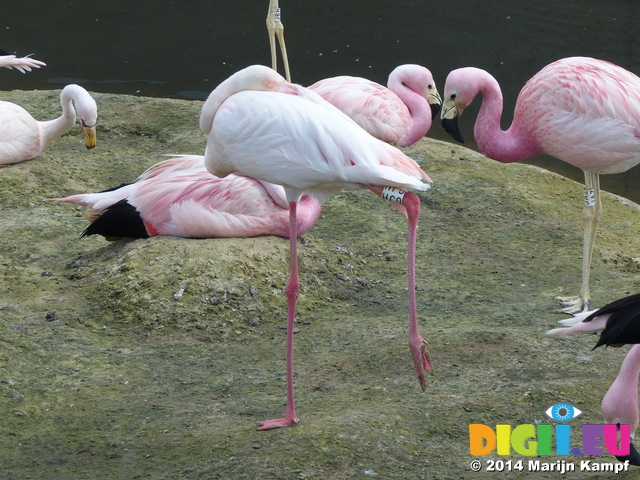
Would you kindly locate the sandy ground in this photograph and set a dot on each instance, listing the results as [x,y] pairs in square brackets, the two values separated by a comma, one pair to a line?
[155,358]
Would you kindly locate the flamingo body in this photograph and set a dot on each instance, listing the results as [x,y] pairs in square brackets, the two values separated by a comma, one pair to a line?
[259,124]
[179,197]
[580,110]
[22,137]
[400,113]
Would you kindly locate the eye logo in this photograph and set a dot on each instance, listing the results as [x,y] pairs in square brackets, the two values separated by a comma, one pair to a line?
[562,412]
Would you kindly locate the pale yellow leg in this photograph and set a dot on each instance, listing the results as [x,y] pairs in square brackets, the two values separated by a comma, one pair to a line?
[276,29]
[591,216]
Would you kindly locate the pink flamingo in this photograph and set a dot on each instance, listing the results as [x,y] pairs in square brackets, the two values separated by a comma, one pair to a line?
[583,111]
[22,137]
[260,125]
[620,403]
[619,322]
[179,197]
[401,113]
[23,65]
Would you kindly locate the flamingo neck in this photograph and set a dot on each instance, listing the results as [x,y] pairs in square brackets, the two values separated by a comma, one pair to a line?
[418,107]
[508,146]
[53,129]
[630,369]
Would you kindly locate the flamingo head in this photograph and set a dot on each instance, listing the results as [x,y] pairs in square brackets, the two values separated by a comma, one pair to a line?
[460,89]
[86,110]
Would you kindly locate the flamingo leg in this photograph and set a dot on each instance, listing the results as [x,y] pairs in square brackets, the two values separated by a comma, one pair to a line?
[293,287]
[591,216]
[276,29]
[417,344]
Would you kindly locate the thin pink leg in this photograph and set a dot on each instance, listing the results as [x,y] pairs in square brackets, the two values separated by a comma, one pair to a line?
[417,344]
[292,289]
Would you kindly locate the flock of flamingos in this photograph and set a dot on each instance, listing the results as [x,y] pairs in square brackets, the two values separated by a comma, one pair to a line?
[277,151]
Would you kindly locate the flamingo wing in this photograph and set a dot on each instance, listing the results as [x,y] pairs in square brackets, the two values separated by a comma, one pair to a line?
[321,151]
[374,107]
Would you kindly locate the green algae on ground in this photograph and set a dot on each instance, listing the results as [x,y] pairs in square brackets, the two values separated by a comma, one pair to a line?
[154,358]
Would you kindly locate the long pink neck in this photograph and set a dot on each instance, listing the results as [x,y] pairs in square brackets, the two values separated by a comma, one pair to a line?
[419,110]
[512,145]
[630,369]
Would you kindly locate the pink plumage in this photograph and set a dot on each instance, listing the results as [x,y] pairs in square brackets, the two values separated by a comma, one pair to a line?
[179,197]
[583,111]
[400,113]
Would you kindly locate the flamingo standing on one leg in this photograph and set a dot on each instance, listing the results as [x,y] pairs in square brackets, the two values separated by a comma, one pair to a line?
[580,110]
[23,64]
[619,323]
[261,125]
[276,29]
[400,113]
[180,197]
[22,137]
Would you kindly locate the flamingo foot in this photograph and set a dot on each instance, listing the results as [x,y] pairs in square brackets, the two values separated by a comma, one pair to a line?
[277,423]
[574,305]
[418,347]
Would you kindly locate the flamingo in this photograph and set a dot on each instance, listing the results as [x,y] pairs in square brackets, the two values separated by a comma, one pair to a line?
[620,404]
[22,137]
[580,110]
[401,113]
[259,124]
[179,197]
[23,65]
[619,322]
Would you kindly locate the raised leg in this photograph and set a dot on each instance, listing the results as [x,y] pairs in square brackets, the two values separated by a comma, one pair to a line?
[276,29]
[417,344]
[591,216]
[293,287]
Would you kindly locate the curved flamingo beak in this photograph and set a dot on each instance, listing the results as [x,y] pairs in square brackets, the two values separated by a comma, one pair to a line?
[89,135]
[435,102]
[449,119]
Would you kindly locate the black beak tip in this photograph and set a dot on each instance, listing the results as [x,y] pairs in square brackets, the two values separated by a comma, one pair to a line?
[435,110]
[451,127]
[633,457]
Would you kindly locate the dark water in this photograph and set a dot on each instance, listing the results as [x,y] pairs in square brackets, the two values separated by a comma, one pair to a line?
[183,49]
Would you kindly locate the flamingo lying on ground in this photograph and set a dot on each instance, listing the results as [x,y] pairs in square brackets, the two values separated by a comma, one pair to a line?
[180,197]
[619,322]
[401,113]
[23,65]
[135,211]
[260,125]
[22,137]
[583,111]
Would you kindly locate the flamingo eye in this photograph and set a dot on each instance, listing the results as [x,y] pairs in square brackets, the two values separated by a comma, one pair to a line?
[429,87]
[453,96]
[562,412]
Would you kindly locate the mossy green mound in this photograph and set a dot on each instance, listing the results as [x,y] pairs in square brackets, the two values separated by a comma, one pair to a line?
[155,358]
